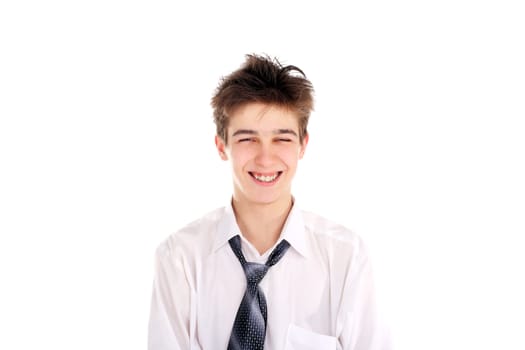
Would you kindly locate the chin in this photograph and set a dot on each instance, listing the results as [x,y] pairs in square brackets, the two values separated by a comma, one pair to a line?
[260,195]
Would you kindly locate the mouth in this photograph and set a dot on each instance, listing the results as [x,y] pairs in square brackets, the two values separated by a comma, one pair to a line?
[266,178]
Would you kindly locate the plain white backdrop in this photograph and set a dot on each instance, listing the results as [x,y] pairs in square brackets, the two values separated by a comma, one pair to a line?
[106,147]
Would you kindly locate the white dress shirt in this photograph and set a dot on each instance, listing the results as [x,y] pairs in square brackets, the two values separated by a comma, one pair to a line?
[319,295]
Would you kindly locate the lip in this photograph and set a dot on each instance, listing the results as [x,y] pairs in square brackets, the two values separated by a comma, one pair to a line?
[261,183]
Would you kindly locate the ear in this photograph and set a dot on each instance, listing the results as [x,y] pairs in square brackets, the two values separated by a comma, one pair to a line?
[303,146]
[221,147]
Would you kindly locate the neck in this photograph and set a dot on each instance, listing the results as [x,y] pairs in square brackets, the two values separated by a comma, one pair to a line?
[261,224]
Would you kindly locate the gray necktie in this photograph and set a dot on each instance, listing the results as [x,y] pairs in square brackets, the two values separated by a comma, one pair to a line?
[249,328]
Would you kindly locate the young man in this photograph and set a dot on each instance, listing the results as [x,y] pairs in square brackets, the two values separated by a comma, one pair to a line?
[260,272]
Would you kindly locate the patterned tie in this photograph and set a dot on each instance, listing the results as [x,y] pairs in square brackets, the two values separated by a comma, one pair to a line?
[249,328]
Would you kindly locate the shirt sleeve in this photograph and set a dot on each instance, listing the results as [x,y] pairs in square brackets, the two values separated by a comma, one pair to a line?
[170,312]
[360,322]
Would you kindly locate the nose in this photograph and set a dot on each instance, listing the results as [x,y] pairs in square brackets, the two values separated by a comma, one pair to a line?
[265,155]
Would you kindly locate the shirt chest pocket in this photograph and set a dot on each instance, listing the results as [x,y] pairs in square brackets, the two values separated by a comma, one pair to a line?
[299,338]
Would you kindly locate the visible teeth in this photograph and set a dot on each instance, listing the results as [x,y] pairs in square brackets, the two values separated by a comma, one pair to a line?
[264,178]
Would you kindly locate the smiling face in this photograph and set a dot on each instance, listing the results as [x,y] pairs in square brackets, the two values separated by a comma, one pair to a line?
[264,148]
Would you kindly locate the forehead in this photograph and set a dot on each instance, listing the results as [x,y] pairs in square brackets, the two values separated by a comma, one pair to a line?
[263,117]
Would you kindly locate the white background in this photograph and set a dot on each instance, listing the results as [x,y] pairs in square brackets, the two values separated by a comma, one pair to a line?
[106,147]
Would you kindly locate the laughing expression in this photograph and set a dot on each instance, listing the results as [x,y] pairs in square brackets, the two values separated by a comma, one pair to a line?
[264,148]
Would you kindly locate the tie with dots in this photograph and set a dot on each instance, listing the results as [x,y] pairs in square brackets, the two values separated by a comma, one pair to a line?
[249,328]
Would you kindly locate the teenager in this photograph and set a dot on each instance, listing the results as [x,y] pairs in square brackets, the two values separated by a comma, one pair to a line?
[260,273]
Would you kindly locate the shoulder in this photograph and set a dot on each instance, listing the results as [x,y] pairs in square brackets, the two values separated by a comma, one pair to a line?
[195,236]
[328,229]
[332,236]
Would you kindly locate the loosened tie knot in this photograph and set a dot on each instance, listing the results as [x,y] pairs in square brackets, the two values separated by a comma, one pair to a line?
[254,272]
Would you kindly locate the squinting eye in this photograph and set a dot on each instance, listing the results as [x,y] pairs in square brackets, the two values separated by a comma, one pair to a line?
[246,140]
[284,140]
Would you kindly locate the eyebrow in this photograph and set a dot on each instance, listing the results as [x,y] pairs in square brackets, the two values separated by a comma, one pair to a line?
[285,131]
[245,132]
[253,132]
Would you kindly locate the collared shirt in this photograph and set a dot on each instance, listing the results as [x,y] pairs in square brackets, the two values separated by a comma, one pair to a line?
[319,295]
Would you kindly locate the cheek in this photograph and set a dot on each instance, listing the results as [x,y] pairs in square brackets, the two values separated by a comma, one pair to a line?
[239,157]
[290,158]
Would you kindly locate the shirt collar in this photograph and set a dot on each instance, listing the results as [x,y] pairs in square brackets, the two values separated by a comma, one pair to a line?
[226,228]
[293,231]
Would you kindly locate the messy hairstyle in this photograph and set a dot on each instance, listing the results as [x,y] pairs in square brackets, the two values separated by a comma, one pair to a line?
[264,80]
